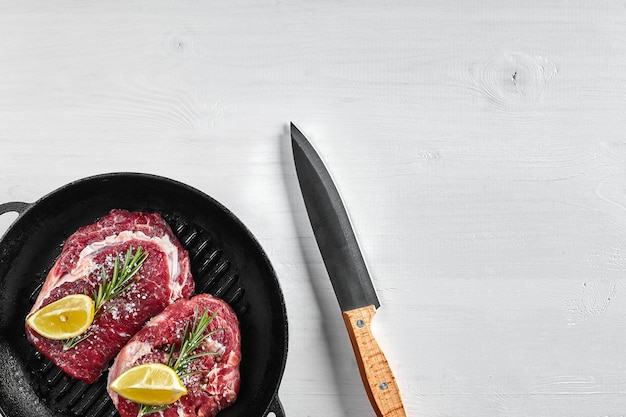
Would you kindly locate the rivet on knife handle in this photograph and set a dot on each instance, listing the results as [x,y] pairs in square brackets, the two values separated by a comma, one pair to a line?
[377,376]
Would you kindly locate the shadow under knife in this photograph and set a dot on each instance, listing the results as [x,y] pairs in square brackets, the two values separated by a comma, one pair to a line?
[347,380]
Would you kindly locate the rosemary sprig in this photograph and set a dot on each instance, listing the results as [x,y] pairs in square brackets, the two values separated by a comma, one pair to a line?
[144,410]
[70,343]
[192,339]
[108,289]
[122,277]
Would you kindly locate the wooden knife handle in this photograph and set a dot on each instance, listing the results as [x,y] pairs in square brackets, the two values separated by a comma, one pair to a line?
[377,376]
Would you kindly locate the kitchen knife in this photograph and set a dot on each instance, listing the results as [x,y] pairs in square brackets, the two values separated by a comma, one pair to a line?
[348,274]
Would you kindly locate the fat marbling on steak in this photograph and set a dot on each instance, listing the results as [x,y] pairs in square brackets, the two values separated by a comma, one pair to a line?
[163,278]
[214,382]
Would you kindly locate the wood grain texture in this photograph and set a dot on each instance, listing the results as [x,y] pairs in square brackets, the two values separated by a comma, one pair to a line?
[479,146]
[378,378]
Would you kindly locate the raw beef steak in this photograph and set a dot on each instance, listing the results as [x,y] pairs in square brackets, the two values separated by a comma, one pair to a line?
[163,278]
[214,385]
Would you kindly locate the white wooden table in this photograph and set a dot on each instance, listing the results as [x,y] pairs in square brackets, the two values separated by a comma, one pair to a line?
[480,147]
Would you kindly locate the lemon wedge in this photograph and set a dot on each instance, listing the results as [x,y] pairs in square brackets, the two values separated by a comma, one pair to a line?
[63,319]
[149,384]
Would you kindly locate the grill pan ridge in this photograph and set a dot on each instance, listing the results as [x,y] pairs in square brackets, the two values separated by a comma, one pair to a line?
[219,254]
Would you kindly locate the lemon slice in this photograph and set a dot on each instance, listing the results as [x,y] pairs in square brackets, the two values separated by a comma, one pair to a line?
[149,384]
[63,319]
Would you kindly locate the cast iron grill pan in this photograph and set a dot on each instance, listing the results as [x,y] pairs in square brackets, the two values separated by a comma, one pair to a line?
[226,261]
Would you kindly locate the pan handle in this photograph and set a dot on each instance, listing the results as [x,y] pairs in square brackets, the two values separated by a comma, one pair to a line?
[18,206]
[15,206]
[275,409]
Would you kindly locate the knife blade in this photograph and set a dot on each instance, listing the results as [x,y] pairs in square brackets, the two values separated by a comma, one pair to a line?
[348,274]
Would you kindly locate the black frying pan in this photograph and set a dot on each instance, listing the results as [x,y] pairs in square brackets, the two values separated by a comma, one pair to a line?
[226,261]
